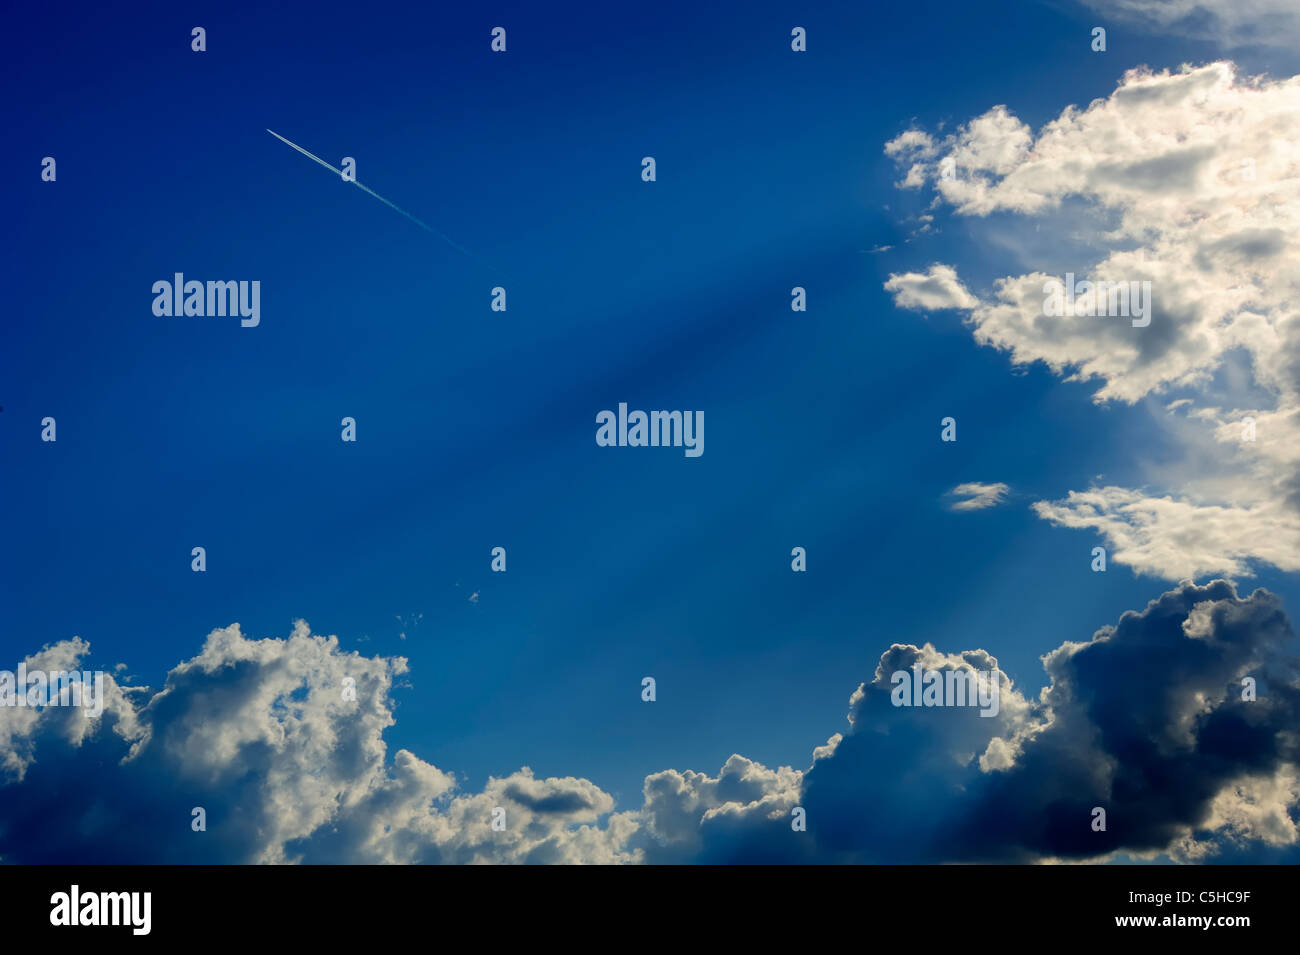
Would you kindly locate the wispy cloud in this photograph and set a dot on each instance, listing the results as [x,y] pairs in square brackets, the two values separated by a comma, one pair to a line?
[1230,23]
[975,496]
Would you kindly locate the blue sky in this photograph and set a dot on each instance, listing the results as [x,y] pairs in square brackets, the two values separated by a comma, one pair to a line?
[475,427]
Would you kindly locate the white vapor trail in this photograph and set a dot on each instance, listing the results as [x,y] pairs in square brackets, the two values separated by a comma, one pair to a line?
[395,208]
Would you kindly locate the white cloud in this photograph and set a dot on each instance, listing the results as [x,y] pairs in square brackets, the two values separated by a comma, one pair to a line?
[1258,808]
[976,496]
[685,809]
[1196,177]
[1174,539]
[1162,155]
[936,288]
[911,143]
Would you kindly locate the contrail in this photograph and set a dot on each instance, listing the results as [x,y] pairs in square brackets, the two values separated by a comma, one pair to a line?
[339,172]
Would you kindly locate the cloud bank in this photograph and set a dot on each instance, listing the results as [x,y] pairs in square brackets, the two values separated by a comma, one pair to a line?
[1146,720]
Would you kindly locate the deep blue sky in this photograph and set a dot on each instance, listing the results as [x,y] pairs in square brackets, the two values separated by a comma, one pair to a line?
[476,428]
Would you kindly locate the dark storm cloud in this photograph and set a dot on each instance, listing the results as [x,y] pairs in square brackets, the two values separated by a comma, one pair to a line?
[1146,721]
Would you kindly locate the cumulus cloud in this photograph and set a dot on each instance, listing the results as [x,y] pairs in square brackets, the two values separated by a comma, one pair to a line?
[1146,720]
[259,734]
[741,815]
[1164,154]
[1193,181]
[974,496]
[936,288]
